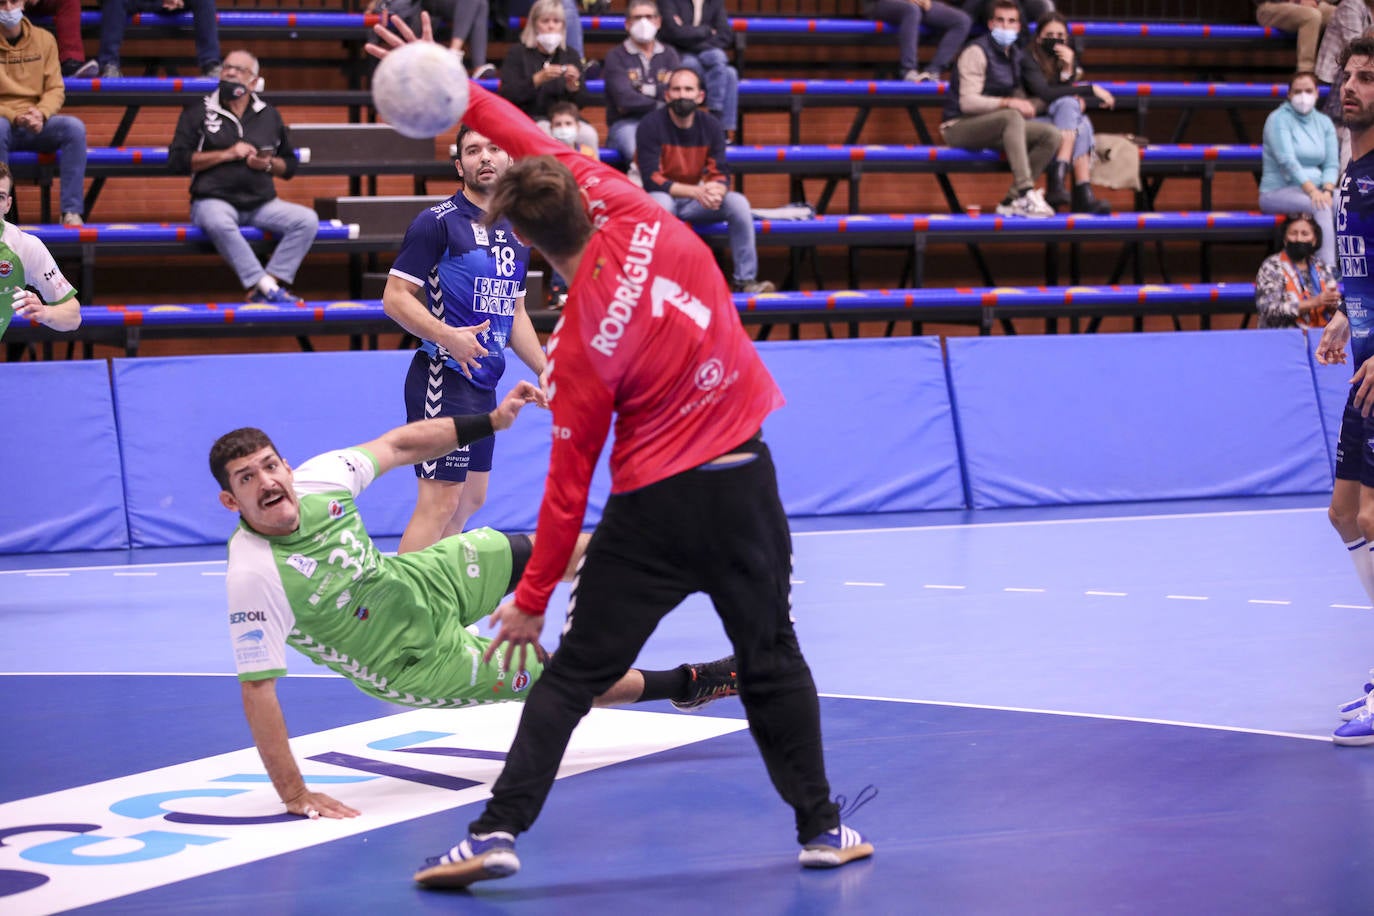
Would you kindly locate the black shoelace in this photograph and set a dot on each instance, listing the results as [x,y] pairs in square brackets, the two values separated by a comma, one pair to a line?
[847,808]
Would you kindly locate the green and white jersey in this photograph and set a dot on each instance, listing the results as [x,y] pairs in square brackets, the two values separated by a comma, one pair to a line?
[26,261]
[395,626]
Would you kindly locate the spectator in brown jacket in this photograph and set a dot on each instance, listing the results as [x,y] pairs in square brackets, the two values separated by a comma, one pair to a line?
[31,94]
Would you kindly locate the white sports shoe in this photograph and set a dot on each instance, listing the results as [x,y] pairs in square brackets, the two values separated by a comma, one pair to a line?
[1031,204]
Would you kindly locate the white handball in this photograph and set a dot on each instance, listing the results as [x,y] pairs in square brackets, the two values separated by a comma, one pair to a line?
[421,89]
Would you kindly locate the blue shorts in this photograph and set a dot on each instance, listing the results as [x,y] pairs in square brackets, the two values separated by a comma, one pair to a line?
[435,390]
[1355,445]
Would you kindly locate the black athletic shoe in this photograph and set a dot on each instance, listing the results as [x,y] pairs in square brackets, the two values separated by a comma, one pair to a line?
[708,682]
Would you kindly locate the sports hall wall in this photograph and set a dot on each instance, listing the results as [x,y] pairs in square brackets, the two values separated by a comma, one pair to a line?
[111,455]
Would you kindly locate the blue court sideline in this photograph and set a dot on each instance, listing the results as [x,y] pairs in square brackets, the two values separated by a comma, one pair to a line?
[1009,681]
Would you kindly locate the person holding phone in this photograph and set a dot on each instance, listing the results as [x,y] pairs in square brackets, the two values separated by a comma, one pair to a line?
[233,145]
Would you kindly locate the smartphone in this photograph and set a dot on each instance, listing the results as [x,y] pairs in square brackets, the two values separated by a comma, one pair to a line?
[266,151]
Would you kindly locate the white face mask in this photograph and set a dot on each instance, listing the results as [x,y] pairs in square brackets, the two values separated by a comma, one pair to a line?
[643,31]
[1004,37]
[549,41]
[1303,102]
[564,134]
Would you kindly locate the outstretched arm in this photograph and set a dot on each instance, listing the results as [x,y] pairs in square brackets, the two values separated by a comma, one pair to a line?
[425,440]
[268,726]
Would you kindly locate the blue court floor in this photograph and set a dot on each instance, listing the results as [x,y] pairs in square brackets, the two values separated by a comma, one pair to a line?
[1119,709]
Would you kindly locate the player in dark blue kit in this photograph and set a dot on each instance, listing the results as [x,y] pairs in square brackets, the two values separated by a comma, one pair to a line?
[459,286]
[1352,500]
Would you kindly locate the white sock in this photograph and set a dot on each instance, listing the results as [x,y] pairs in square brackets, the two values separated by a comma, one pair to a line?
[1363,557]
[267,284]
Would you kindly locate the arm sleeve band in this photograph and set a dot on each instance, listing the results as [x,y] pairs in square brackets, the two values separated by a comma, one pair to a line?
[470,429]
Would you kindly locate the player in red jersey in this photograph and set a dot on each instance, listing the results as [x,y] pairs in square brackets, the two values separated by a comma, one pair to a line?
[650,338]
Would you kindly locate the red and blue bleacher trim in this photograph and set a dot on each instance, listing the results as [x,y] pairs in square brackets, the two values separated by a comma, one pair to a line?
[754,92]
[758,26]
[161,233]
[903,303]
[759,158]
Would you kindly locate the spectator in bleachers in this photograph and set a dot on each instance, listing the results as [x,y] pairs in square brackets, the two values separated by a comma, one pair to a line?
[469,22]
[1301,161]
[636,75]
[541,69]
[950,23]
[980,11]
[233,143]
[1295,287]
[31,94]
[30,264]
[1057,80]
[1304,18]
[1352,19]
[565,125]
[988,108]
[1348,22]
[66,25]
[681,157]
[114,16]
[700,32]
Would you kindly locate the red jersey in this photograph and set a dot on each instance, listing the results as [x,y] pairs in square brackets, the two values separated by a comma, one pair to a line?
[649,336]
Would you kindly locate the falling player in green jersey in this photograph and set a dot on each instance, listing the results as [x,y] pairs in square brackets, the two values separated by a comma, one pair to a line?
[304,572]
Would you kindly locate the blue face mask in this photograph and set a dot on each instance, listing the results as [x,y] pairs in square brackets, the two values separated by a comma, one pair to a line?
[1004,37]
[11,18]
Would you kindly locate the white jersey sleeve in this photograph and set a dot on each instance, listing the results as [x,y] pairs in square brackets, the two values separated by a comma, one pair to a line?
[260,617]
[351,469]
[40,270]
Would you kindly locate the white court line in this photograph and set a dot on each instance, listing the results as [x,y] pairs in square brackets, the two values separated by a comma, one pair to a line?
[109,566]
[215,572]
[1187,597]
[1353,607]
[1267,601]
[1106,594]
[145,674]
[868,584]
[950,587]
[796,534]
[1013,589]
[130,572]
[1061,521]
[1083,715]
[42,575]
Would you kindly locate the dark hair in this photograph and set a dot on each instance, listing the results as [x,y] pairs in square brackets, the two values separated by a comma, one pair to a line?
[1308,218]
[996,5]
[692,70]
[1360,47]
[1303,74]
[563,106]
[1048,63]
[540,199]
[236,444]
[5,171]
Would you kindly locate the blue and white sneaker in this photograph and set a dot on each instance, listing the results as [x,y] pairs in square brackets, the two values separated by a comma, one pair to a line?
[1348,711]
[1358,731]
[279,296]
[477,858]
[834,848]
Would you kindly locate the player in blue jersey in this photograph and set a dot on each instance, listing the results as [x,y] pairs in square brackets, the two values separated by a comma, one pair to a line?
[459,286]
[1352,499]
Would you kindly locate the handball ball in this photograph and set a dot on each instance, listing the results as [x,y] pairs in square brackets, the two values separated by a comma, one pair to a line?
[420,89]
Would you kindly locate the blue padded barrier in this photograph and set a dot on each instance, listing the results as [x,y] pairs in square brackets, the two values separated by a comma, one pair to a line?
[175,408]
[867,427]
[1333,388]
[1048,420]
[60,456]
